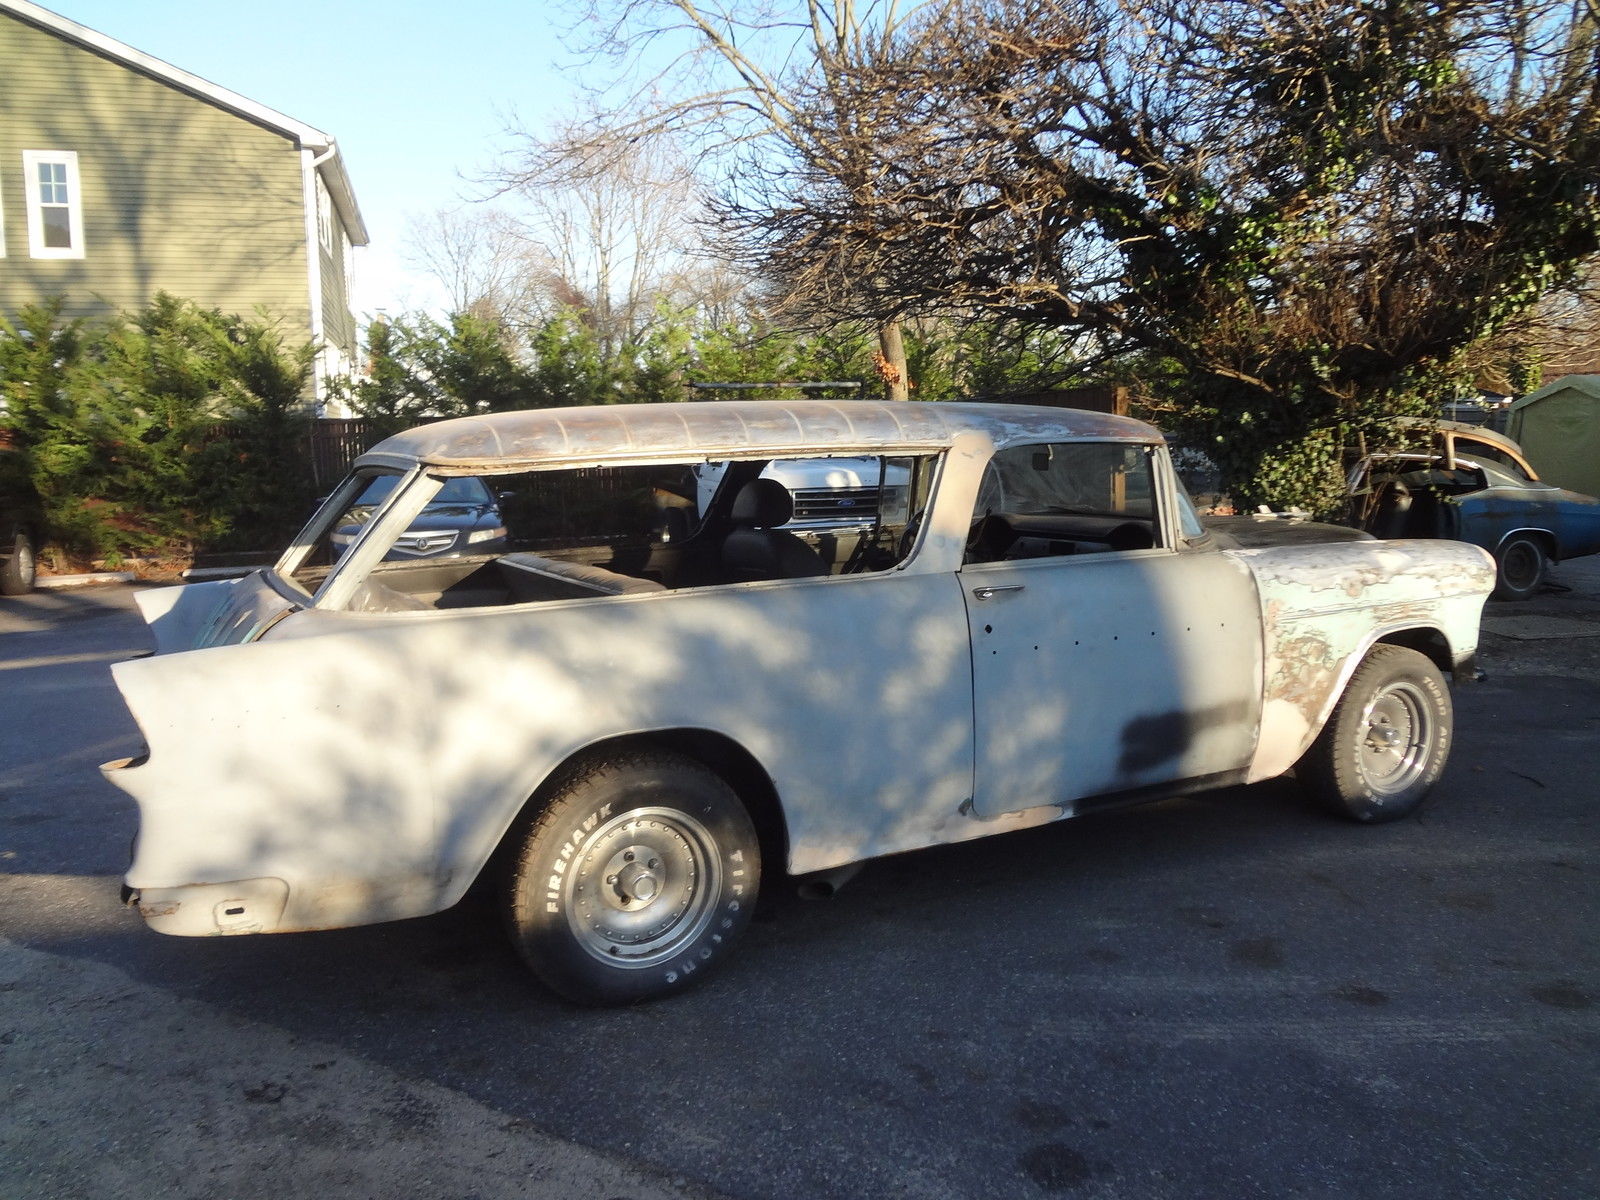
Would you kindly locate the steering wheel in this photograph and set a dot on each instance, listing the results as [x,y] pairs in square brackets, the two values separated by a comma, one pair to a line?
[908,536]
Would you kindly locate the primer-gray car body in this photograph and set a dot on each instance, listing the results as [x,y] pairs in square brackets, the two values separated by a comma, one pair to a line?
[310,765]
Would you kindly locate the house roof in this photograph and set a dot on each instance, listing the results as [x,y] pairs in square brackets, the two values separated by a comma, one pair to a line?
[718,429]
[1589,385]
[304,136]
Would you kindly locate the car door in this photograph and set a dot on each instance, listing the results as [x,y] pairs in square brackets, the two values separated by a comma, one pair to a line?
[1105,660]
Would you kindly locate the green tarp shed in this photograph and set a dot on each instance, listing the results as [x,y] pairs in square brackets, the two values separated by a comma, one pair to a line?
[1559,428]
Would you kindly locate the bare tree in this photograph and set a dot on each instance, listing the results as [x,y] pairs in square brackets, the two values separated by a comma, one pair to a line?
[483,261]
[1295,214]
[612,216]
[1563,335]
[738,74]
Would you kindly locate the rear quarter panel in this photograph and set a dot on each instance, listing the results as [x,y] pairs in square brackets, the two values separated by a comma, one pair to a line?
[1576,523]
[372,762]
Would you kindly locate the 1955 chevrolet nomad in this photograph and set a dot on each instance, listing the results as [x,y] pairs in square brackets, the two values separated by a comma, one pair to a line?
[645,696]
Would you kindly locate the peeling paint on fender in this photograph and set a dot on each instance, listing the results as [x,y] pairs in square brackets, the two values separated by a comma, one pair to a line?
[1323,607]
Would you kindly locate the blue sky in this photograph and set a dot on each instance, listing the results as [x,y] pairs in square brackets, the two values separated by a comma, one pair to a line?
[417,94]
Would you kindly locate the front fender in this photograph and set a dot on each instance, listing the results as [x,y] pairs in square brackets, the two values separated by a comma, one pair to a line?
[1324,607]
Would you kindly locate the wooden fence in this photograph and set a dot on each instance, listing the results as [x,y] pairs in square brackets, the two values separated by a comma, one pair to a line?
[334,444]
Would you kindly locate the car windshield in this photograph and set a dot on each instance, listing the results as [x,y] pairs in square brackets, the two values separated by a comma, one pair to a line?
[1498,476]
[463,490]
[1488,456]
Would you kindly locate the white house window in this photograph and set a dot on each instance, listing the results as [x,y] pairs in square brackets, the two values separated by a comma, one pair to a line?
[55,203]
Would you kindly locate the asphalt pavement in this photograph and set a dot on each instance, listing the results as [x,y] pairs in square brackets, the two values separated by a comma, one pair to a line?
[1228,996]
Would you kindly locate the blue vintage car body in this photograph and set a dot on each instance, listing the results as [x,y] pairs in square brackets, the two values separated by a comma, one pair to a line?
[1473,485]
[1571,520]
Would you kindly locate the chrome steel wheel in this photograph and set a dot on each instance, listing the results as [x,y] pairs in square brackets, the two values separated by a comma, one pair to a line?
[1398,736]
[633,878]
[1387,741]
[643,887]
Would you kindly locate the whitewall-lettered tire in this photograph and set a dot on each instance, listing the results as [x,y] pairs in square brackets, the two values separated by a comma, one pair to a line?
[634,880]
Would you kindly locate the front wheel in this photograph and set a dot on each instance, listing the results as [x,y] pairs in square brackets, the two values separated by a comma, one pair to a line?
[634,880]
[1519,567]
[1386,743]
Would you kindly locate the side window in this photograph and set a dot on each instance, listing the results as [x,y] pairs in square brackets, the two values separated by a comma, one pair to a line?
[829,515]
[346,259]
[622,512]
[1065,498]
[55,203]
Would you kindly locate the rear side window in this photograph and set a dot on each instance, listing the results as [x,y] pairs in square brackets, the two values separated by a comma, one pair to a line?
[1482,453]
[611,509]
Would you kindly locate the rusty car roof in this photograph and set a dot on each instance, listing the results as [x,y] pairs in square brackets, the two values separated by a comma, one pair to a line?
[717,429]
[1482,432]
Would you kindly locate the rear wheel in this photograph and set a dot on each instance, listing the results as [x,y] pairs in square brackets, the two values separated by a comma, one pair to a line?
[17,573]
[634,880]
[1386,743]
[1519,567]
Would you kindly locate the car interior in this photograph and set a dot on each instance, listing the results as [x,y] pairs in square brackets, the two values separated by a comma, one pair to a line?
[633,530]
[1407,495]
[1072,498]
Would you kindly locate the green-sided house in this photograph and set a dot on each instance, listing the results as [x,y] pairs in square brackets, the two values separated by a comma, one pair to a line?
[122,176]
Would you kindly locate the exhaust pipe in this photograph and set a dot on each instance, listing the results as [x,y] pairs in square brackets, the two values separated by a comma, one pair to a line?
[824,885]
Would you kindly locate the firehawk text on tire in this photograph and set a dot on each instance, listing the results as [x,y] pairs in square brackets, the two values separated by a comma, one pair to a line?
[635,880]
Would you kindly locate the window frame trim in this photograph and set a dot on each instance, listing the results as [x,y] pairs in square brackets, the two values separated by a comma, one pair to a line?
[31,160]
[1165,529]
[326,237]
